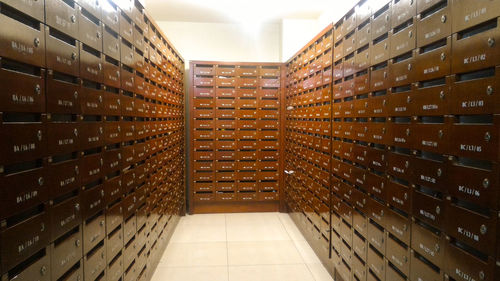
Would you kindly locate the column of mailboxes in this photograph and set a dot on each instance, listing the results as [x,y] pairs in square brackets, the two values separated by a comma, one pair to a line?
[415,141]
[86,131]
[307,140]
[235,132]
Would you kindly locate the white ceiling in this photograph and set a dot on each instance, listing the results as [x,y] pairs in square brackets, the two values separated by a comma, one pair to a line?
[227,11]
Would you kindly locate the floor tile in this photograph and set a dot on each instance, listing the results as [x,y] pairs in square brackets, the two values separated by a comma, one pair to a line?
[295,272]
[204,219]
[319,272]
[186,233]
[306,252]
[211,273]
[290,227]
[255,227]
[263,252]
[195,254]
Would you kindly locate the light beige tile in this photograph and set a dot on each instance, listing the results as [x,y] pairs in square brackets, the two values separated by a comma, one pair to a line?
[263,252]
[195,254]
[306,252]
[319,272]
[204,219]
[290,227]
[295,272]
[255,227]
[188,233]
[252,218]
[211,273]
[256,233]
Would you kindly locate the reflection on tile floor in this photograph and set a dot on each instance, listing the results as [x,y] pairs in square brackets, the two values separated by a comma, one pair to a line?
[239,247]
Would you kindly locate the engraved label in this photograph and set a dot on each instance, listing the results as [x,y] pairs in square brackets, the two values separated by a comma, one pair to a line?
[428,179]
[400,109]
[429,143]
[27,244]
[21,48]
[67,220]
[476,58]
[472,103]
[468,234]
[401,78]
[471,148]
[67,181]
[464,275]
[430,107]
[432,33]
[469,191]
[400,140]
[475,14]
[427,215]
[24,197]
[397,200]
[24,147]
[402,46]
[20,99]
[427,250]
[431,69]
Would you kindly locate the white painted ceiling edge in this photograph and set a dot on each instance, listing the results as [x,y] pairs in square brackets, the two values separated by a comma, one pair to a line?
[251,15]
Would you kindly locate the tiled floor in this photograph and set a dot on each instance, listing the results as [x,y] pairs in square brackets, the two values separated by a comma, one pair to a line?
[239,247]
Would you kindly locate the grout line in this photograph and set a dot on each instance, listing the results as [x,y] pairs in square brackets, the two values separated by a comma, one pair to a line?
[227,247]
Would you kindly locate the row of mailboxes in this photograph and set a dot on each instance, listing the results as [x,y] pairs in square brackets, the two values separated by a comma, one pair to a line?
[236,82]
[77,43]
[235,132]
[93,140]
[242,124]
[247,134]
[210,92]
[237,70]
[232,113]
[236,197]
[241,103]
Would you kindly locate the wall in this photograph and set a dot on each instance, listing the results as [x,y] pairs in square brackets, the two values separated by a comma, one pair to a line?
[225,41]
[295,34]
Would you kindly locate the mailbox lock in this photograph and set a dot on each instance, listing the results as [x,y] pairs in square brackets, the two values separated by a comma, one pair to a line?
[73,56]
[40,181]
[437,248]
[408,99]
[443,56]
[487,136]
[439,172]
[491,42]
[37,42]
[408,131]
[410,34]
[486,183]
[77,207]
[38,89]
[39,135]
[481,275]
[78,242]
[43,270]
[77,170]
[489,90]
[441,95]
[75,94]
[443,18]
[440,134]
[438,210]
[409,65]
[483,229]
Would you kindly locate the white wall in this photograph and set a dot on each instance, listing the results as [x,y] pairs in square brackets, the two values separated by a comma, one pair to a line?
[295,35]
[224,41]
